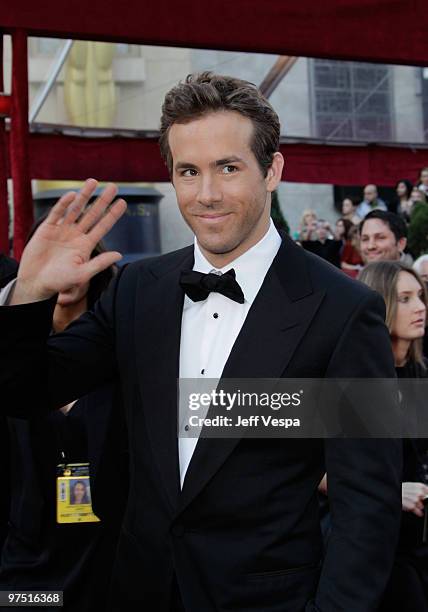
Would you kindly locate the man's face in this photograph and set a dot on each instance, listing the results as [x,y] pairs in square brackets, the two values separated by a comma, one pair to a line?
[221,191]
[370,193]
[378,242]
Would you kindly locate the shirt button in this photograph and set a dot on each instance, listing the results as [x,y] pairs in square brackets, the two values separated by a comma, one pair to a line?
[215,315]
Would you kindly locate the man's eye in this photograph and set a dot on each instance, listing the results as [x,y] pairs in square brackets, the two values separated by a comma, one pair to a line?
[189,172]
[229,169]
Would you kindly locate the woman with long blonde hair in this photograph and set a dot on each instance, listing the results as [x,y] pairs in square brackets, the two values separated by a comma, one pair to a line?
[308,225]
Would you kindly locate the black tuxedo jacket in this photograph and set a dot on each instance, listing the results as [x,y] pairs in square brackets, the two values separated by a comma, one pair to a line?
[76,558]
[243,534]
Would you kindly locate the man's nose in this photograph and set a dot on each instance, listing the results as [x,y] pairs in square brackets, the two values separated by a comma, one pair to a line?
[209,191]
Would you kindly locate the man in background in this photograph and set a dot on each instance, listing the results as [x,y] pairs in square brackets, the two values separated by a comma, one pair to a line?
[371,201]
[383,237]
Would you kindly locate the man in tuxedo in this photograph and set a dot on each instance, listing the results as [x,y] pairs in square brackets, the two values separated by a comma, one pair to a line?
[216,524]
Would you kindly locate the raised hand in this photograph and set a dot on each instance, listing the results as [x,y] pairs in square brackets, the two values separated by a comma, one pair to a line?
[58,255]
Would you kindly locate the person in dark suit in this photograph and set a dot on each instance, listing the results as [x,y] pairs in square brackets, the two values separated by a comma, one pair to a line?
[216,524]
[40,553]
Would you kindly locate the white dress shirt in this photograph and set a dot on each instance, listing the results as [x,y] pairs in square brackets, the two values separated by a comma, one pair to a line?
[210,327]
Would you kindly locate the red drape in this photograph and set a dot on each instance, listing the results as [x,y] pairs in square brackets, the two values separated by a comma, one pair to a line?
[54,156]
[366,30]
[19,156]
[4,209]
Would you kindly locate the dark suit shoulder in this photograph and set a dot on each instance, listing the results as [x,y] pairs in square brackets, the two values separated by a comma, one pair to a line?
[328,276]
[310,273]
[160,264]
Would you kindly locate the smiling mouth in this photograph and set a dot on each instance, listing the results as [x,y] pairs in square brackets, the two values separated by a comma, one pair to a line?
[214,218]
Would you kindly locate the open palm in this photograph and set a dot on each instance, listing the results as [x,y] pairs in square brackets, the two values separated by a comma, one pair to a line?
[58,256]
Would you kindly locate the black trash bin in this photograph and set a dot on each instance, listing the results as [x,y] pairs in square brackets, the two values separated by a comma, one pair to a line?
[136,235]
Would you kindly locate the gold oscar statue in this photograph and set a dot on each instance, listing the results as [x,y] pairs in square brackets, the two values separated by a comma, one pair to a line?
[89,90]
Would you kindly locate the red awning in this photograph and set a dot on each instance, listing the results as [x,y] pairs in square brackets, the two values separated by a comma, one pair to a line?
[367,30]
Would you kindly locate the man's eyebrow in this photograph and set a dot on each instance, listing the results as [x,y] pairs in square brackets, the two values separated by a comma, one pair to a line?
[180,165]
[219,162]
[228,160]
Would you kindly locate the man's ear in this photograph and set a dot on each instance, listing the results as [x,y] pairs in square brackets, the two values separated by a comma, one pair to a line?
[401,243]
[274,173]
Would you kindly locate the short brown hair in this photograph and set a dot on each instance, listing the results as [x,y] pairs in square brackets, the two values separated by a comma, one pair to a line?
[382,276]
[205,93]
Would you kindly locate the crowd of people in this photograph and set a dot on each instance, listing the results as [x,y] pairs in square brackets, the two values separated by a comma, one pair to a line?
[369,243]
[108,501]
[369,230]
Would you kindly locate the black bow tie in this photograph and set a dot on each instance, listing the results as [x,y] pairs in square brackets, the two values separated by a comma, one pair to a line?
[198,286]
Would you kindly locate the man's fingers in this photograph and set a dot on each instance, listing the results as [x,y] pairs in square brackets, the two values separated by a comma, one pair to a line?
[97,209]
[70,205]
[101,262]
[104,225]
[58,211]
[82,198]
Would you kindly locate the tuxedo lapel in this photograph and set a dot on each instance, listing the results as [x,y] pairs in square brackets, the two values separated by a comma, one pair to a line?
[159,310]
[277,321]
